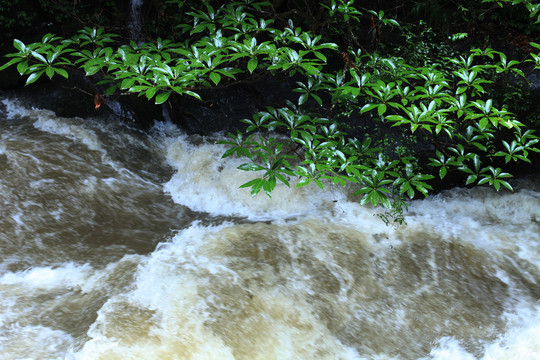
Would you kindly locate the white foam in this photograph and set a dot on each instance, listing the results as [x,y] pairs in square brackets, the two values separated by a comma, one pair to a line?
[206,182]
[464,215]
[194,296]
[66,276]
[73,277]
[186,294]
[46,120]
[33,342]
[448,348]
[521,340]
[14,108]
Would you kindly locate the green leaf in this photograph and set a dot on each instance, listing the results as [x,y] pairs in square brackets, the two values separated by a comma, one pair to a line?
[442,172]
[282,179]
[404,187]
[319,183]
[310,69]
[19,45]
[61,72]
[374,197]
[215,77]
[422,189]
[252,64]
[229,152]
[483,123]
[49,71]
[251,167]
[365,199]
[138,88]
[317,99]
[506,185]
[368,107]
[397,118]
[111,90]
[39,56]
[21,67]
[269,185]
[410,193]
[11,62]
[483,181]
[150,92]
[162,97]
[91,70]
[303,182]
[34,76]
[255,184]
[320,56]
[250,183]
[127,83]
[194,94]
[471,179]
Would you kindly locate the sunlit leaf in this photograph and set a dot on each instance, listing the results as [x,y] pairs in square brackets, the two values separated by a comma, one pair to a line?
[162,97]
[215,77]
[34,76]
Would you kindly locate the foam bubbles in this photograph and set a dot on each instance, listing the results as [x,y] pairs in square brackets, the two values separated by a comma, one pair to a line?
[47,278]
[522,338]
[191,301]
[520,341]
[33,342]
[46,120]
[205,182]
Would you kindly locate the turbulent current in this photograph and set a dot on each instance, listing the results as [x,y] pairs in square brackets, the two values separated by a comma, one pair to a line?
[116,244]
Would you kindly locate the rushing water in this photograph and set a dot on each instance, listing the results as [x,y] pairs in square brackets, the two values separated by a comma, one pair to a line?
[116,244]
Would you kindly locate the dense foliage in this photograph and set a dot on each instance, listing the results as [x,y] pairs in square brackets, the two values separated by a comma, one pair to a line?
[391,120]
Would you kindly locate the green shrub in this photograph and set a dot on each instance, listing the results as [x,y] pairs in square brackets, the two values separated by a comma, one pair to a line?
[390,125]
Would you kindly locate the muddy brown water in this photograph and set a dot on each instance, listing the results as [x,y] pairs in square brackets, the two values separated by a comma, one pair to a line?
[116,244]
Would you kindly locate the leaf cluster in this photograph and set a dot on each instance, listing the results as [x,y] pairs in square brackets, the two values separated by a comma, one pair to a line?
[389,126]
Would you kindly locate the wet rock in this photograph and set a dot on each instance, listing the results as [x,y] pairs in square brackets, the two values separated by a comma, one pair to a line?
[534,80]
[222,109]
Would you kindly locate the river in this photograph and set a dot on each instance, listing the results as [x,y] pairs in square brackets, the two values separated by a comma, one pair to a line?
[118,244]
